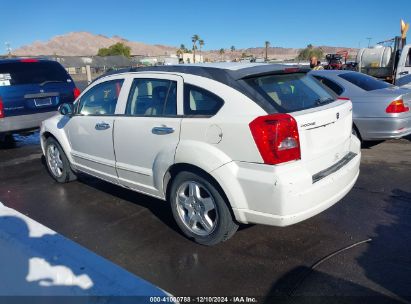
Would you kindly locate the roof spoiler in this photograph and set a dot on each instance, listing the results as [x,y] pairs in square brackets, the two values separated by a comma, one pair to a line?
[288,70]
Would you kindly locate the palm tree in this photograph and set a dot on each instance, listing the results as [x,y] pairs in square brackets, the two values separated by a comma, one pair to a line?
[194,40]
[267,45]
[221,51]
[201,43]
[232,48]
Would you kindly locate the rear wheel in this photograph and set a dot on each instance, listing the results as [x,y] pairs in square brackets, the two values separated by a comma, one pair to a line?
[6,138]
[200,210]
[57,162]
[355,132]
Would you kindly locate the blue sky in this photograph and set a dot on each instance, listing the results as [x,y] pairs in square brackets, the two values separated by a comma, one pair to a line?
[220,23]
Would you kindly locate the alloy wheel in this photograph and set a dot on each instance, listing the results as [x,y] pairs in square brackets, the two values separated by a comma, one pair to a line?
[196,208]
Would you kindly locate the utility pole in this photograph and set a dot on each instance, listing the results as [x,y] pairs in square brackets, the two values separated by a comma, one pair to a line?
[8,49]
[369,41]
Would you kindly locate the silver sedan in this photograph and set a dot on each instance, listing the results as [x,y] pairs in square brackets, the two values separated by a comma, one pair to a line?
[380,110]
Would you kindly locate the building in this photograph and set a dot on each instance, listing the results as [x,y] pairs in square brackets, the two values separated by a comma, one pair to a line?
[189,58]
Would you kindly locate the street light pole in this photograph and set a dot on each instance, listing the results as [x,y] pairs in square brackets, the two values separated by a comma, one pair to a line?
[8,49]
[369,41]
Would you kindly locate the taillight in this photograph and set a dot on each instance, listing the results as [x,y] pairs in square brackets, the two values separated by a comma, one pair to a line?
[1,108]
[397,106]
[276,137]
[343,98]
[76,93]
[28,60]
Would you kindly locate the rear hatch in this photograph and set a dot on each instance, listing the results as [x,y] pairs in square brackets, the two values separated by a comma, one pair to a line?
[324,122]
[31,86]
[324,134]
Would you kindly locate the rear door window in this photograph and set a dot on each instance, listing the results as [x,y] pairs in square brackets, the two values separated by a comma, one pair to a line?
[38,72]
[152,97]
[291,92]
[365,82]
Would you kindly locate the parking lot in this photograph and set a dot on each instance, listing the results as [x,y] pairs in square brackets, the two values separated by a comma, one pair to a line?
[359,247]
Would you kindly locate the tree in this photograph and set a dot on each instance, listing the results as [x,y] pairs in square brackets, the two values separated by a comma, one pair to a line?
[232,48]
[181,51]
[221,51]
[201,43]
[194,40]
[115,49]
[267,45]
[310,51]
[183,48]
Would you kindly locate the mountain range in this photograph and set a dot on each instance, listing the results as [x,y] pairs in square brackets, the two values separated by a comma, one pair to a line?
[88,44]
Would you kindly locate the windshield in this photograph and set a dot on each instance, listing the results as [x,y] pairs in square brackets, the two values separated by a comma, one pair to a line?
[365,82]
[41,72]
[291,92]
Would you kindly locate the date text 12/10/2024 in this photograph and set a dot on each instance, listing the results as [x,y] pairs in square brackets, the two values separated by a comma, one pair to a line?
[200,299]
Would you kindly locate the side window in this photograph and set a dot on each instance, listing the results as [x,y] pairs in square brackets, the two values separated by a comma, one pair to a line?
[152,97]
[331,84]
[198,101]
[101,99]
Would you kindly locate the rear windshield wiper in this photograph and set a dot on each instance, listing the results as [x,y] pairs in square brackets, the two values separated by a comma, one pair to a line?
[49,81]
[321,101]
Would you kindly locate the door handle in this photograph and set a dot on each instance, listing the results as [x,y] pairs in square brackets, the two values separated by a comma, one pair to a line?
[102,126]
[404,73]
[162,130]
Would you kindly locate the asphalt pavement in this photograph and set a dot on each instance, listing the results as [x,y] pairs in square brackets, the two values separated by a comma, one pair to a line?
[358,249]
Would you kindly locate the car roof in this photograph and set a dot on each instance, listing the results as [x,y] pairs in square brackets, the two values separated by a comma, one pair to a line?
[228,73]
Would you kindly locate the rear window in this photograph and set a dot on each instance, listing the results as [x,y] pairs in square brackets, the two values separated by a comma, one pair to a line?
[198,101]
[365,82]
[291,92]
[15,73]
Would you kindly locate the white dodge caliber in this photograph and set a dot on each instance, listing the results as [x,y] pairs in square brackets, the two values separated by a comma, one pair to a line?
[223,144]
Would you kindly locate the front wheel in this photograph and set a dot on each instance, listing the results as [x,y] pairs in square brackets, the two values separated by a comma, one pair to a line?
[200,210]
[57,162]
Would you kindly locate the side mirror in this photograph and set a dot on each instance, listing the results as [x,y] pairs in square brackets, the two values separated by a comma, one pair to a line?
[66,109]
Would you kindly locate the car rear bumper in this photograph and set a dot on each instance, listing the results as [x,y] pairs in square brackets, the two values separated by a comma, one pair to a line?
[287,194]
[23,122]
[383,128]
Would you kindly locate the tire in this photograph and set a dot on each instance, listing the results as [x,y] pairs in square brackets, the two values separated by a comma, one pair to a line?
[57,163]
[6,138]
[355,132]
[200,210]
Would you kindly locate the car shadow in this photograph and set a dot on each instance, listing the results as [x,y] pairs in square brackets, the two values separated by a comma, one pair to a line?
[305,285]
[157,207]
[10,141]
[370,143]
[7,142]
[385,262]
